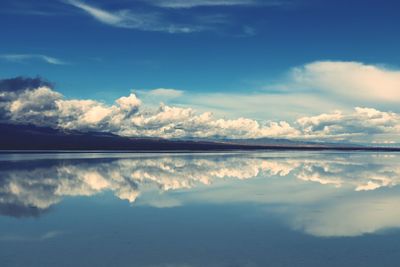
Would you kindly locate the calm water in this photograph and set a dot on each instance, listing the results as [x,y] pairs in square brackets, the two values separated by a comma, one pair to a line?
[178,210]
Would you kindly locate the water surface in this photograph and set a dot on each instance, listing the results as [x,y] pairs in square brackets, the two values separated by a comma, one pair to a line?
[209,209]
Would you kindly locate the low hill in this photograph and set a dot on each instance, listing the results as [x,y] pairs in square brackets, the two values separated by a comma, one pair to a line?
[30,137]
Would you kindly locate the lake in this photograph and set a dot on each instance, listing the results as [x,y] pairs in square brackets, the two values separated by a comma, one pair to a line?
[200,209]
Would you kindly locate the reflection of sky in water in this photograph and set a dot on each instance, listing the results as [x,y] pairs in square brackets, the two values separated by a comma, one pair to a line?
[235,209]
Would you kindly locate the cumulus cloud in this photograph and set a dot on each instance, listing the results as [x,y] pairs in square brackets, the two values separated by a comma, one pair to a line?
[35,106]
[361,122]
[35,102]
[128,19]
[44,106]
[352,80]
[26,57]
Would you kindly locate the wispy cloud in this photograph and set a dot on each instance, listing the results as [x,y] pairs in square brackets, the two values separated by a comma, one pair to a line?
[210,3]
[27,57]
[128,19]
[99,14]
[32,12]
[198,3]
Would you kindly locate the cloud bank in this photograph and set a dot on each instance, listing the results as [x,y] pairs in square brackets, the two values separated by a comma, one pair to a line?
[33,101]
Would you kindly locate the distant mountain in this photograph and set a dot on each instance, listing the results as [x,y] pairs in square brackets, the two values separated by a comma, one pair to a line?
[283,142]
[31,137]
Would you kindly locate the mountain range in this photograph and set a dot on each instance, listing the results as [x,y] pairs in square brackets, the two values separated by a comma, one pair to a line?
[30,137]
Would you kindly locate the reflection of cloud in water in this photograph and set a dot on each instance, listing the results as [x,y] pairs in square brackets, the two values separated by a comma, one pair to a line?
[350,216]
[37,188]
[363,176]
[30,189]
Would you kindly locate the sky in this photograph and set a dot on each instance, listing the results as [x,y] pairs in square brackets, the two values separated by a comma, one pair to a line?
[280,68]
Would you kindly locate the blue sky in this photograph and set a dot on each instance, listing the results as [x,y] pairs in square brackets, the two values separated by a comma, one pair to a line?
[222,54]
[107,58]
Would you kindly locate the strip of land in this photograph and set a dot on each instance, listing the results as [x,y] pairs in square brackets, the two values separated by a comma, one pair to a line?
[26,138]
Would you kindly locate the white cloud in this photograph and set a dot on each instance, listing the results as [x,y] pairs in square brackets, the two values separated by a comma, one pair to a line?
[128,19]
[99,14]
[361,122]
[91,114]
[26,57]
[34,106]
[349,80]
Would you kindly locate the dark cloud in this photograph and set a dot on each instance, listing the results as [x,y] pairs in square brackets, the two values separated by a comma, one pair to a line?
[23,83]
[27,100]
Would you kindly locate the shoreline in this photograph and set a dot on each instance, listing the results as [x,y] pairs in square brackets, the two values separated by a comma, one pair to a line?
[205,150]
